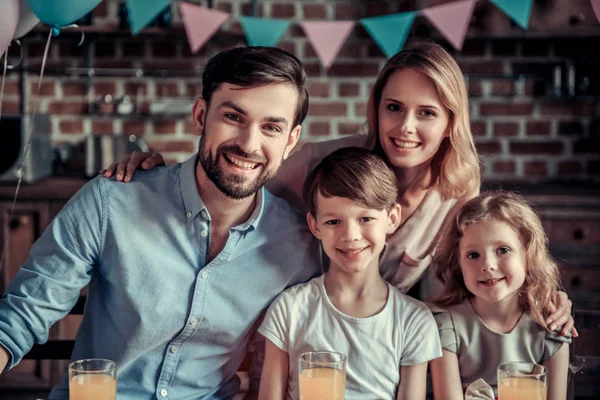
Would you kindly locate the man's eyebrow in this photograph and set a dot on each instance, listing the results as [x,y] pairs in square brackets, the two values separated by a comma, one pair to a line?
[277,120]
[231,104]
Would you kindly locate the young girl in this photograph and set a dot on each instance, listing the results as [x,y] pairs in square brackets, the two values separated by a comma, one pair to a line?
[387,337]
[499,283]
[418,122]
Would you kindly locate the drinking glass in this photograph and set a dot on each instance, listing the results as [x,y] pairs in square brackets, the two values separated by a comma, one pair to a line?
[522,381]
[322,376]
[93,379]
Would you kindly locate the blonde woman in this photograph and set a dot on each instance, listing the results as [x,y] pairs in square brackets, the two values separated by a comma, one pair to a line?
[499,283]
[418,121]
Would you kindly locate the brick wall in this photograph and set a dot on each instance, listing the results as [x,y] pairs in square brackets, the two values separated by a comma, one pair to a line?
[521,131]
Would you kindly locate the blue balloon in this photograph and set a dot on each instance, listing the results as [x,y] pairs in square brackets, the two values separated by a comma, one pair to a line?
[61,12]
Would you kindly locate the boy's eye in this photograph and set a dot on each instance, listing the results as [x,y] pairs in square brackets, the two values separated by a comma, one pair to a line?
[366,219]
[332,222]
[272,128]
[233,117]
[472,255]
[503,250]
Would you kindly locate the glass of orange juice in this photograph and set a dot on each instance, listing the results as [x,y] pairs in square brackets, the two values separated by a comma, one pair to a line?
[522,381]
[93,379]
[322,375]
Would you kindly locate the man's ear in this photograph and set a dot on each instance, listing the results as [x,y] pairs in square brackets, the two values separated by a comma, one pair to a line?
[394,218]
[199,115]
[312,225]
[292,141]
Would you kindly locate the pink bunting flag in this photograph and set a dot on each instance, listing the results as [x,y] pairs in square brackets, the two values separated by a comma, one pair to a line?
[596,7]
[452,20]
[200,23]
[327,38]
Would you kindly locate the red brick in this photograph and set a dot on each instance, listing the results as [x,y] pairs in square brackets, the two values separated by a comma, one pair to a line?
[318,89]
[166,89]
[593,167]
[504,47]
[185,146]
[137,128]
[328,109]
[574,128]
[282,11]
[350,50]
[164,49]
[170,65]
[349,89]
[165,127]
[506,129]
[536,148]
[101,88]
[114,63]
[475,88]
[535,168]
[377,8]
[578,109]
[360,109]
[529,89]
[538,128]
[506,109]
[73,88]
[10,107]
[586,146]
[189,128]
[570,167]
[46,89]
[349,11]
[193,89]
[134,48]
[105,49]
[350,128]
[354,69]
[314,11]
[11,88]
[478,128]
[136,89]
[71,126]
[504,167]
[473,47]
[247,10]
[226,7]
[312,69]
[319,128]
[482,67]
[103,127]
[502,88]
[491,147]
[36,49]
[288,46]
[67,107]
[101,10]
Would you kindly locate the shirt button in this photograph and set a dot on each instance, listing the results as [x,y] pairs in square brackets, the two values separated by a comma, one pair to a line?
[204,275]
[189,214]
[164,393]
[193,321]
[204,214]
[173,349]
[203,233]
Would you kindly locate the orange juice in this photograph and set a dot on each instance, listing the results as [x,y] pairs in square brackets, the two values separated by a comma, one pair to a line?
[92,387]
[322,384]
[521,389]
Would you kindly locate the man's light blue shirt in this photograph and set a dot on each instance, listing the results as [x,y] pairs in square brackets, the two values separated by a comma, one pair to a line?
[176,323]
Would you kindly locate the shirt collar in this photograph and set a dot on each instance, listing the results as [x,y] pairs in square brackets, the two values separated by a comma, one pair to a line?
[193,202]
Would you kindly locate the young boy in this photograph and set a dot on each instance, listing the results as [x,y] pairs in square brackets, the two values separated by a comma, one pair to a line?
[387,337]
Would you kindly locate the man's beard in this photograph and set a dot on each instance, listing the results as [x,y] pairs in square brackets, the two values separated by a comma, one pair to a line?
[233,186]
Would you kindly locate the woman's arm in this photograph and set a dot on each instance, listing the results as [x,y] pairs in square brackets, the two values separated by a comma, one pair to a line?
[445,377]
[413,382]
[560,315]
[273,381]
[558,372]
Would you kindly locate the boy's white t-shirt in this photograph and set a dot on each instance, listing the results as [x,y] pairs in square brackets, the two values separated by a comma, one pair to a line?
[404,333]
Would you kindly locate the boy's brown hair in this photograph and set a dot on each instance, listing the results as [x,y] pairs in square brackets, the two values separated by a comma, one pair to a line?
[353,173]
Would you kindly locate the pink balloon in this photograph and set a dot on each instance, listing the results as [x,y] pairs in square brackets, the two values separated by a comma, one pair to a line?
[9,17]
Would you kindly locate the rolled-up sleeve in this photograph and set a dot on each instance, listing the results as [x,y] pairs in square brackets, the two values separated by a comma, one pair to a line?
[445,326]
[59,265]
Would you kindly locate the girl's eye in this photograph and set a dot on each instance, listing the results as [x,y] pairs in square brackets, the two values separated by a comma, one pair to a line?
[393,107]
[233,117]
[366,219]
[428,113]
[503,250]
[332,222]
[473,255]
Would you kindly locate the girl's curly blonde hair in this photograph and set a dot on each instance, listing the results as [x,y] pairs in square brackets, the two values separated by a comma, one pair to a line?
[542,275]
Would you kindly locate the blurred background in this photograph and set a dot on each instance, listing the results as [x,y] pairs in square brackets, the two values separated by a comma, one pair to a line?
[534,101]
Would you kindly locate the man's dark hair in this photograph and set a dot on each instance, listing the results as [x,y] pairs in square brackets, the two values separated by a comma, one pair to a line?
[251,66]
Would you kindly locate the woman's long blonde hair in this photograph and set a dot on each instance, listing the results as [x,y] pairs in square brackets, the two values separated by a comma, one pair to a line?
[542,275]
[455,166]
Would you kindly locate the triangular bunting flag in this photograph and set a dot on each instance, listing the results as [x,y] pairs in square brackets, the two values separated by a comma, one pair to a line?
[596,7]
[518,10]
[263,32]
[452,20]
[389,31]
[142,12]
[327,38]
[200,23]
